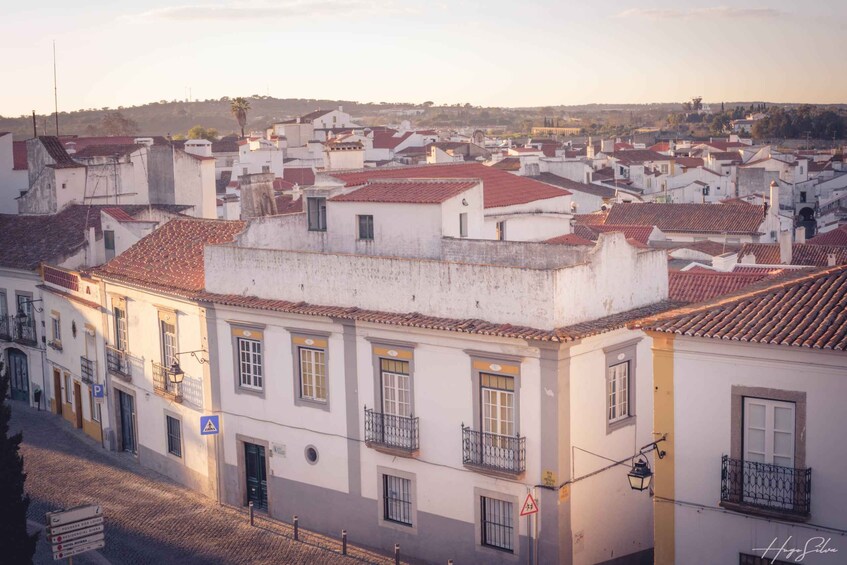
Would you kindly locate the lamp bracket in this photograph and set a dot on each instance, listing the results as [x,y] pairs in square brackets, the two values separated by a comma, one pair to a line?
[194,354]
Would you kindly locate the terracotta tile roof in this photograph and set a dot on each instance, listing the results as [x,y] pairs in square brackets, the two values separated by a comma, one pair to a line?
[407,191]
[726,156]
[26,241]
[838,236]
[571,185]
[713,248]
[106,150]
[659,147]
[698,218]
[623,146]
[508,164]
[753,269]
[605,173]
[500,188]
[689,162]
[171,258]
[569,239]
[304,176]
[592,219]
[699,286]
[641,234]
[119,214]
[227,144]
[809,311]
[801,254]
[57,152]
[311,116]
[416,320]
[387,140]
[285,204]
[19,160]
[721,145]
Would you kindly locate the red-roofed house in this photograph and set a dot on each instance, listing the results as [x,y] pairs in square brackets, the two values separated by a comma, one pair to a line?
[13,172]
[838,236]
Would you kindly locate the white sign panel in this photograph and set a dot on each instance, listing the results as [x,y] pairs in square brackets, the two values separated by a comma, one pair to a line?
[54,539]
[66,545]
[73,515]
[54,530]
[77,550]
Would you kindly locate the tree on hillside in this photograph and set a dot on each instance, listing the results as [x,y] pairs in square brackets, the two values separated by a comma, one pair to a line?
[115,123]
[199,132]
[239,107]
[17,546]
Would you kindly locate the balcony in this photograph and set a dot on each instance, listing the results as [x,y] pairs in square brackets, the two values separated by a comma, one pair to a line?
[118,363]
[493,453]
[87,370]
[5,328]
[769,490]
[162,384]
[396,435]
[24,332]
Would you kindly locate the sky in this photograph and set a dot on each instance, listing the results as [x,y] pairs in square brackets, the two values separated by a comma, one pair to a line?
[488,53]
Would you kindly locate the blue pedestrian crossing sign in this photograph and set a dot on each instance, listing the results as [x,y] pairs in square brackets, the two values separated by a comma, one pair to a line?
[97,391]
[209,425]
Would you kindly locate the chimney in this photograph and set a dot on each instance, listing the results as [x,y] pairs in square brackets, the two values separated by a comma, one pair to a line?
[785,247]
[257,195]
[341,108]
[830,259]
[774,198]
[800,235]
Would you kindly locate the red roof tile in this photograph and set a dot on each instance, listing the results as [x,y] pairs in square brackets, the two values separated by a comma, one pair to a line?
[285,204]
[713,248]
[699,218]
[689,162]
[171,258]
[592,219]
[639,156]
[304,176]
[698,286]
[408,191]
[569,239]
[838,236]
[500,188]
[387,140]
[801,254]
[640,234]
[110,150]
[659,147]
[119,214]
[810,311]
[508,164]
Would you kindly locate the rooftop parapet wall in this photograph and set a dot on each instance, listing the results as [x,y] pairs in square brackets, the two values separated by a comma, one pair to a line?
[616,277]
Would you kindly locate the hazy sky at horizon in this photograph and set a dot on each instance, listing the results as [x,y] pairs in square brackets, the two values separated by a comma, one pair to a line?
[492,53]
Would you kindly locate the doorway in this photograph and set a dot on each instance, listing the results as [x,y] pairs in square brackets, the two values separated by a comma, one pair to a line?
[57,391]
[257,483]
[19,371]
[77,405]
[126,416]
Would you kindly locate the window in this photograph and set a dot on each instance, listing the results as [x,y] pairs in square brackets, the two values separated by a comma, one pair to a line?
[119,309]
[397,499]
[167,328]
[501,231]
[56,326]
[316,211]
[4,306]
[497,523]
[109,243]
[498,404]
[664,169]
[244,170]
[802,196]
[312,374]
[250,363]
[396,387]
[366,227]
[174,436]
[95,408]
[266,169]
[69,393]
[463,224]
[769,431]
[618,404]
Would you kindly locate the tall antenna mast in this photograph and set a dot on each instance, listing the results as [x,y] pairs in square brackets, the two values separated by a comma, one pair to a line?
[55,90]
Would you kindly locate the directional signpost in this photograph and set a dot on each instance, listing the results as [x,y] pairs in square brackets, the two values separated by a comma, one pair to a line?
[530,507]
[75,530]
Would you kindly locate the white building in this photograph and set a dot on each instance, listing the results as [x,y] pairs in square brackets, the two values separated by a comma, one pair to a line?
[13,173]
[750,404]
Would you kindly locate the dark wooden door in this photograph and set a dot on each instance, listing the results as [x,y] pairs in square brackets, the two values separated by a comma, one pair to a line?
[19,371]
[257,484]
[126,406]
[78,405]
[57,391]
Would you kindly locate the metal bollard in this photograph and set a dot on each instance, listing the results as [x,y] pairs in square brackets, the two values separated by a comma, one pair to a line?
[343,542]
[296,529]
[250,505]
[396,554]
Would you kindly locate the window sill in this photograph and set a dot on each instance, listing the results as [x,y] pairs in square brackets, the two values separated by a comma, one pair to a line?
[392,450]
[307,402]
[618,424]
[494,472]
[757,511]
[260,392]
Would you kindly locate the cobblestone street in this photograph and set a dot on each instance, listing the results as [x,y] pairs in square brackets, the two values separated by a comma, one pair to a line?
[149,518]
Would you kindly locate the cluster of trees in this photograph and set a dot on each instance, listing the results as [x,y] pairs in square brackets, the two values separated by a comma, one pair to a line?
[801,122]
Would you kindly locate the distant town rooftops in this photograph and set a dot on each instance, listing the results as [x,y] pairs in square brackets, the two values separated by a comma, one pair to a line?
[801,254]
[838,236]
[699,218]
[702,285]
[408,191]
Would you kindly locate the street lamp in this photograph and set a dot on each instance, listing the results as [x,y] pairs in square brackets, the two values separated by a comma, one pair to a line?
[176,374]
[640,475]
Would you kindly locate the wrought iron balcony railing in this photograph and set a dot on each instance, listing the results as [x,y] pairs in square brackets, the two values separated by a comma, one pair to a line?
[396,432]
[24,332]
[493,452]
[6,328]
[87,370]
[162,384]
[770,488]
[118,362]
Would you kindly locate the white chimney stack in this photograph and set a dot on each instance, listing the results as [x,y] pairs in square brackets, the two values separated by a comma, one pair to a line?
[786,247]
[800,235]
[830,259]
[774,198]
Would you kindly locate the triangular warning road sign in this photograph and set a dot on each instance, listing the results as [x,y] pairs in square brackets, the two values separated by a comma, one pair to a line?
[529,506]
[210,427]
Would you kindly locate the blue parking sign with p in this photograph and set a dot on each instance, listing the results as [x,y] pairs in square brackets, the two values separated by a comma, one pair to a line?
[97,391]
[209,425]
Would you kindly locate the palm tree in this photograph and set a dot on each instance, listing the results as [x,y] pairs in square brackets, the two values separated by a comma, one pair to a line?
[239,107]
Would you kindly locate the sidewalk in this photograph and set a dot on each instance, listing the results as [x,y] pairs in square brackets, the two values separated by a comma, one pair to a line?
[149,518]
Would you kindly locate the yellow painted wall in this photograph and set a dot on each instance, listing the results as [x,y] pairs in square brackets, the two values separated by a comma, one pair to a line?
[68,413]
[663,423]
[92,429]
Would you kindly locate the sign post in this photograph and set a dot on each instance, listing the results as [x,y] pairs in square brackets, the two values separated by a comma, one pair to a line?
[75,530]
[98,392]
[530,507]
